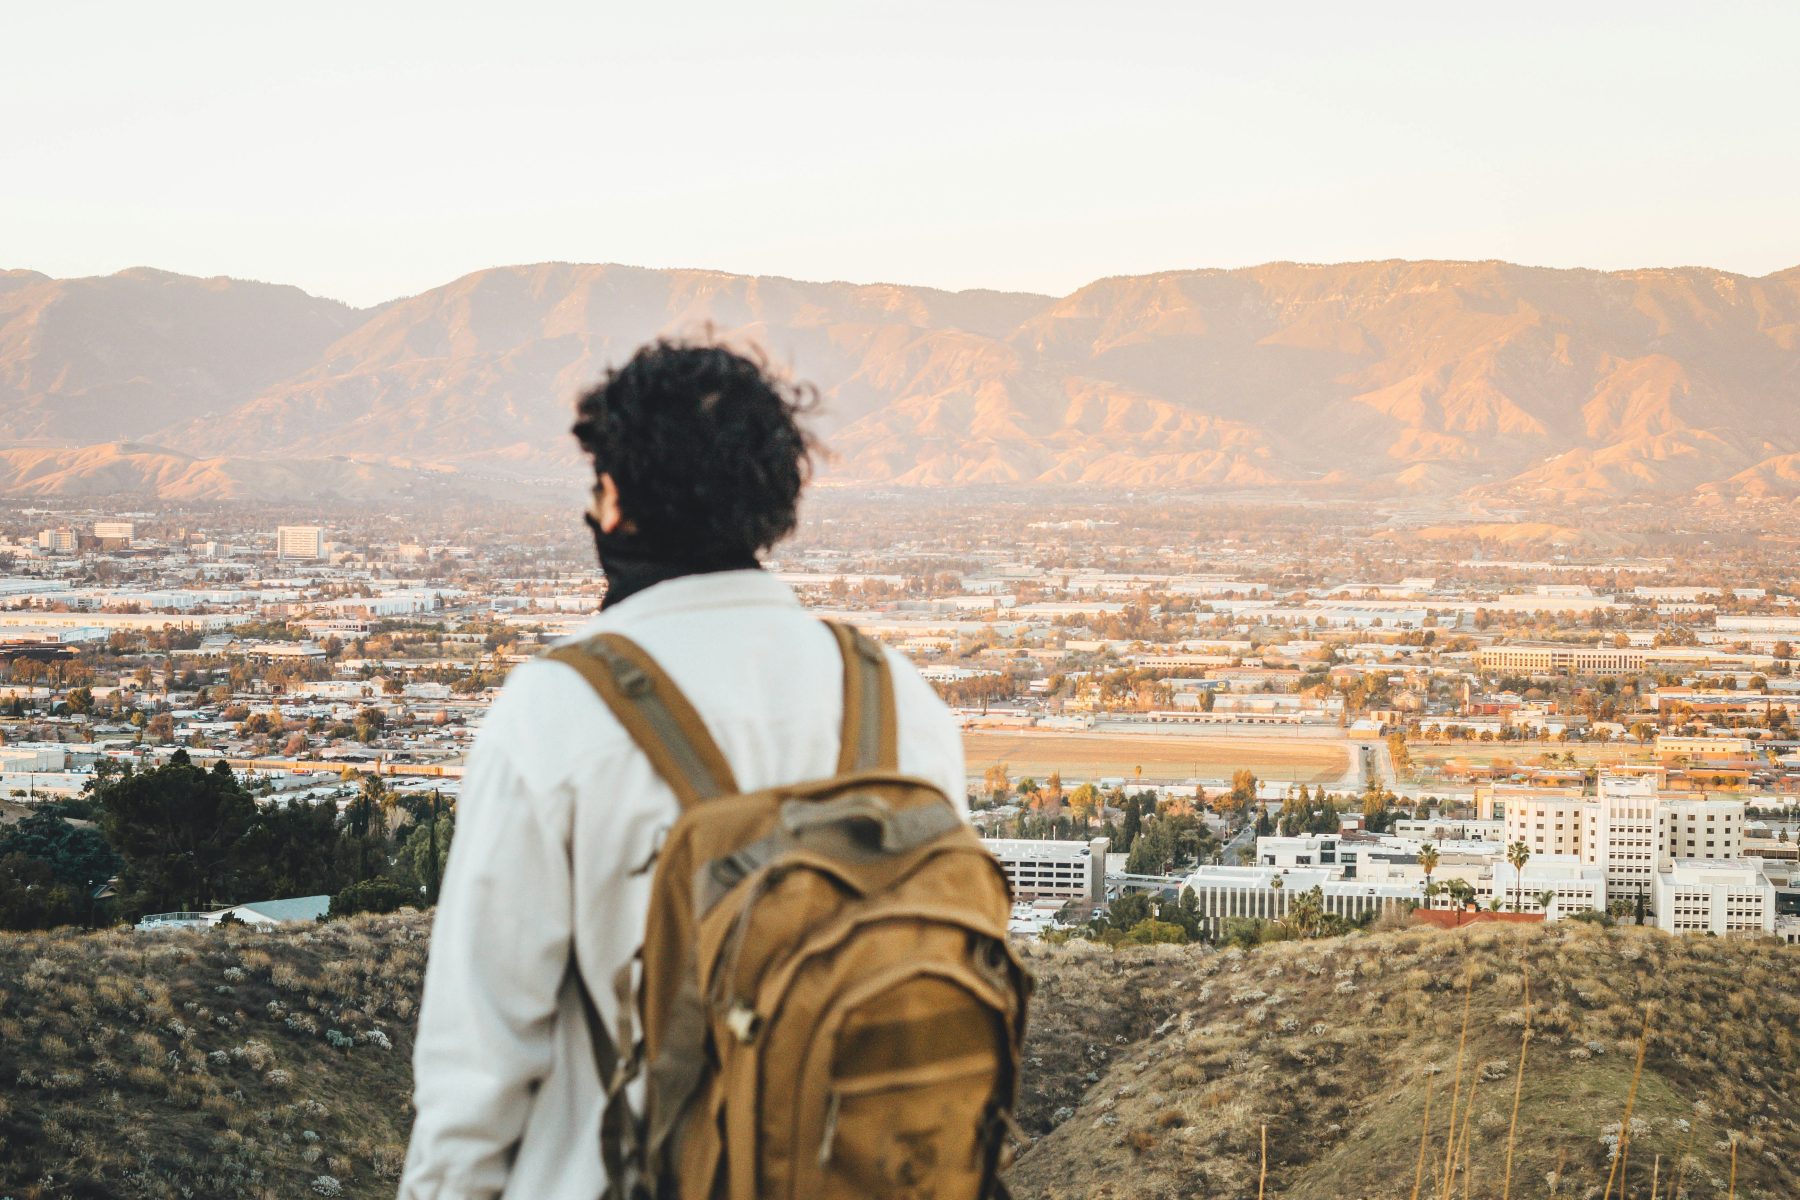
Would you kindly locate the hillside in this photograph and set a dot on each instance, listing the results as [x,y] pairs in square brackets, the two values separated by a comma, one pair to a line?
[1335,1046]
[118,357]
[140,1067]
[128,469]
[1443,378]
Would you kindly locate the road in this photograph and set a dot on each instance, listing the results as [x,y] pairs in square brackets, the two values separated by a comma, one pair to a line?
[1366,759]
[1245,837]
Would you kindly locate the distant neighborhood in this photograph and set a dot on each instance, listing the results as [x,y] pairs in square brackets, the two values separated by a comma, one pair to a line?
[1219,730]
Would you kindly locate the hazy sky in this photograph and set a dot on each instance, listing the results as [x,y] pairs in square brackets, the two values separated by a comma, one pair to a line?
[370,150]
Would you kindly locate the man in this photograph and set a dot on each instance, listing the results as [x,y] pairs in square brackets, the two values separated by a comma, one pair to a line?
[699,460]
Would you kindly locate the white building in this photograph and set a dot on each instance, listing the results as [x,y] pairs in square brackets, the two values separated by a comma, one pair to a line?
[1699,828]
[1547,821]
[1691,896]
[1629,831]
[1619,832]
[1577,886]
[1439,829]
[114,534]
[57,541]
[1267,893]
[1043,870]
[30,758]
[300,542]
[1301,850]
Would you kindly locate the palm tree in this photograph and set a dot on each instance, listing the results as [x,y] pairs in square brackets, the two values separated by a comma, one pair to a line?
[1460,893]
[1307,914]
[1518,854]
[1545,899]
[1428,860]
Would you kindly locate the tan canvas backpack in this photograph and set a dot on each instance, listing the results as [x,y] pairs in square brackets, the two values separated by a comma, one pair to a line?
[826,1005]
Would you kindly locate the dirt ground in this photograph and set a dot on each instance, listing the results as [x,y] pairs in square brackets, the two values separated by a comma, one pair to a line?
[1083,756]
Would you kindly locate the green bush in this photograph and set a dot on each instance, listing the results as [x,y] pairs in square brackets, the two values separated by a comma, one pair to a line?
[372,896]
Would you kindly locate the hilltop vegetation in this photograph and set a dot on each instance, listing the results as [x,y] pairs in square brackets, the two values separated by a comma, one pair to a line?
[1334,1044]
[227,1063]
[274,1065]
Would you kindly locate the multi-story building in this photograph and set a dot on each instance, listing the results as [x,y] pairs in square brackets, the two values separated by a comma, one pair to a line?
[1267,893]
[1690,896]
[1301,850]
[1563,660]
[1619,832]
[58,541]
[1051,870]
[302,542]
[1573,886]
[1548,820]
[1610,830]
[114,535]
[1697,828]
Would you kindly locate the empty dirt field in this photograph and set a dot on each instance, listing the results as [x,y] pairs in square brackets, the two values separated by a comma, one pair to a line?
[1084,756]
[1528,754]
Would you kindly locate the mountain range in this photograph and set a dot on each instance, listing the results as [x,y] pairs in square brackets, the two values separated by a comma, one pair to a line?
[1483,379]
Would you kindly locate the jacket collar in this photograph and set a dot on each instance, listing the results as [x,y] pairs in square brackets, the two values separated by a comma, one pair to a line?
[693,593]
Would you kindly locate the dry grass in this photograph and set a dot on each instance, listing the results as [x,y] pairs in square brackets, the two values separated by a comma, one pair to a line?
[1164,758]
[221,1064]
[203,1066]
[1336,1045]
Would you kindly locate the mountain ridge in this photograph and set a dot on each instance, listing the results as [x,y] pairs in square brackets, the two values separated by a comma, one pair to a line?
[1388,377]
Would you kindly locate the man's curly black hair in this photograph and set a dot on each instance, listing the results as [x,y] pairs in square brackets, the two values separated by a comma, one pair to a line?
[705,446]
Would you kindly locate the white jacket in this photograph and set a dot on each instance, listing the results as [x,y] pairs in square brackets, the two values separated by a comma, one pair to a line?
[557,809]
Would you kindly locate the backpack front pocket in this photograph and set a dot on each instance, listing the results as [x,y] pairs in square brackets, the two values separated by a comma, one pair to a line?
[909,1096]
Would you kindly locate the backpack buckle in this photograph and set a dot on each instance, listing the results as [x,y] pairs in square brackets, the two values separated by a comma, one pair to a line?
[632,679]
[743,1022]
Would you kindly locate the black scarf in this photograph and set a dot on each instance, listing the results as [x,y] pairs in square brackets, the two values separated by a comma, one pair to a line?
[633,563]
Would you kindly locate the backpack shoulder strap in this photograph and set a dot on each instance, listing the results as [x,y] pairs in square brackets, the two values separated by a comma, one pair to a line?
[871,735]
[661,720]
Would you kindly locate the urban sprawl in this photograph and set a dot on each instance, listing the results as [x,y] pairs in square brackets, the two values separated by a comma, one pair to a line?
[1184,720]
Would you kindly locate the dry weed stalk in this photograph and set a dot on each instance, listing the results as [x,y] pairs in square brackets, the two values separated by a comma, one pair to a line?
[1618,1164]
[1464,1153]
[1734,1142]
[1424,1141]
[1449,1175]
[1263,1176]
[1512,1132]
[1655,1176]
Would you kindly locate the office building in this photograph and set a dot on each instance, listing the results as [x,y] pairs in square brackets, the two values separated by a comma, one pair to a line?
[114,535]
[1690,896]
[1267,893]
[1548,820]
[300,542]
[1619,832]
[58,541]
[1573,887]
[1696,828]
[1051,870]
[1560,660]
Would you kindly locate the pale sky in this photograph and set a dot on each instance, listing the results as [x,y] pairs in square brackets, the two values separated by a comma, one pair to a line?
[375,149]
